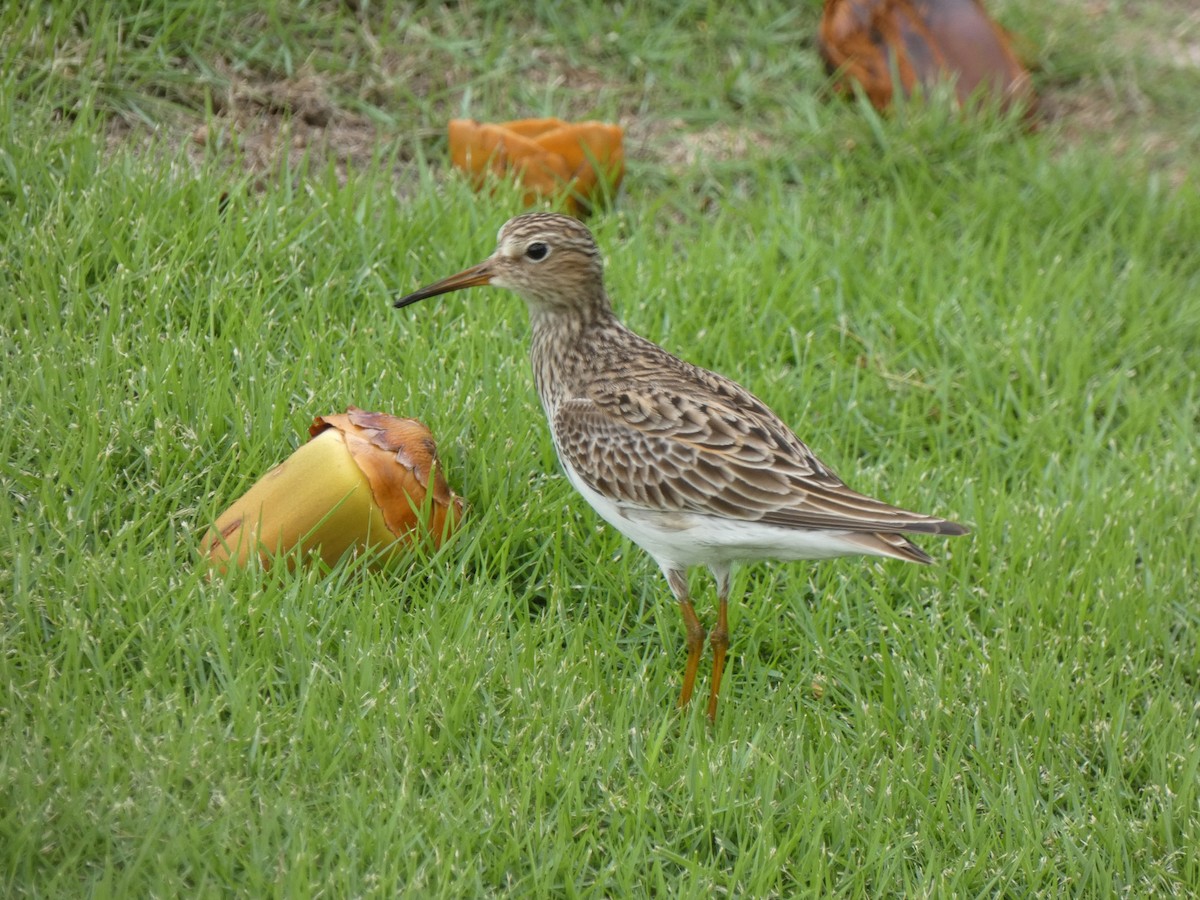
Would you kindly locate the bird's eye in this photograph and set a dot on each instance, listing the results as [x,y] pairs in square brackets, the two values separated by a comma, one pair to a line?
[537,251]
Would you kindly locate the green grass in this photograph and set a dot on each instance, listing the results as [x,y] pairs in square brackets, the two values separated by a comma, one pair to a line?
[998,328]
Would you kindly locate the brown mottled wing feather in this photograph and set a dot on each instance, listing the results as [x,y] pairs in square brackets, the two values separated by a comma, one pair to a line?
[720,451]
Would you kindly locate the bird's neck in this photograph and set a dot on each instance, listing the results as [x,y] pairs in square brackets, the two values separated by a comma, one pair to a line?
[563,348]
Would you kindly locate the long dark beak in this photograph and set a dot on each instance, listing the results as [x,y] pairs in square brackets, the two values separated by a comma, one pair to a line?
[480,274]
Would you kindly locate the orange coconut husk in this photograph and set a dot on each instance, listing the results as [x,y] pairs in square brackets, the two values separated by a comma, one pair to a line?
[576,162]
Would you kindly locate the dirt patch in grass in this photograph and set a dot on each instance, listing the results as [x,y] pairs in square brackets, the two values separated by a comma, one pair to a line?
[1139,100]
[265,125]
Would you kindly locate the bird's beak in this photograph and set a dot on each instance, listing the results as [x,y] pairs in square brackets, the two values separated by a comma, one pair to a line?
[480,274]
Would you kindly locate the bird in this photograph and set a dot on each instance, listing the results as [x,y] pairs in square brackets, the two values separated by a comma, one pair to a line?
[686,463]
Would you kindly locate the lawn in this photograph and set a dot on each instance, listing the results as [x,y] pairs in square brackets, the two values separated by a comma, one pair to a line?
[205,212]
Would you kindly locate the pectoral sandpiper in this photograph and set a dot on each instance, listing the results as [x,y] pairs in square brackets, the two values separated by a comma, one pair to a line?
[687,464]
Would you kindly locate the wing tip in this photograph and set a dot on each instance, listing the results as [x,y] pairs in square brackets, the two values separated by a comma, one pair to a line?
[944,527]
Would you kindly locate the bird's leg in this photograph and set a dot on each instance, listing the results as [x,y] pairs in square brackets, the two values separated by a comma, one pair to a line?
[720,641]
[677,579]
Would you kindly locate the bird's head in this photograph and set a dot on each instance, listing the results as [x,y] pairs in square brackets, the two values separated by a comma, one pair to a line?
[550,260]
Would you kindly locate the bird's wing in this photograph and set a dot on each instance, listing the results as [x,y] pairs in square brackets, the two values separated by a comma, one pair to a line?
[718,451]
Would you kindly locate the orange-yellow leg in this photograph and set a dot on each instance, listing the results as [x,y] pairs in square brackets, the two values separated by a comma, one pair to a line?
[720,643]
[677,579]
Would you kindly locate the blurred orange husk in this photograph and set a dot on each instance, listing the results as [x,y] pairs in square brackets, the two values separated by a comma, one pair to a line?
[873,43]
[580,162]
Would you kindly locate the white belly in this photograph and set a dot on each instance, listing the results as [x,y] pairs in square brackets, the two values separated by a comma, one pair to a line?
[682,539]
